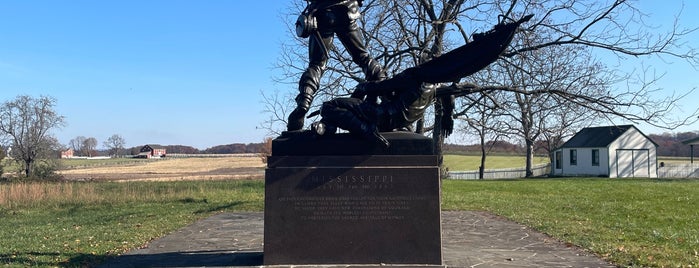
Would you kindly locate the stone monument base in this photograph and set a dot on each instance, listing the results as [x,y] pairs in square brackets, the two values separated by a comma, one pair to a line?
[326,208]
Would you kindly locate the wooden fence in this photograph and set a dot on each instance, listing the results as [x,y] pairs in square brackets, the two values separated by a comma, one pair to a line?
[211,155]
[508,173]
[678,171]
[668,171]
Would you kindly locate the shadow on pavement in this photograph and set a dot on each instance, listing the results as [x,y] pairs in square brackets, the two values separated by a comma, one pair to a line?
[215,258]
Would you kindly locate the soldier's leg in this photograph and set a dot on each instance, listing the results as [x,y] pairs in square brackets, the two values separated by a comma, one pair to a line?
[351,37]
[308,85]
[309,82]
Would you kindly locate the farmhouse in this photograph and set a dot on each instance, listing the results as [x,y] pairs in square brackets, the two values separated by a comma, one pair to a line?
[67,153]
[612,151]
[149,151]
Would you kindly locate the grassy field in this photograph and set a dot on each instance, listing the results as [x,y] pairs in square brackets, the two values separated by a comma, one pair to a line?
[168,169]
[472,162]
[221,168]
[633,223]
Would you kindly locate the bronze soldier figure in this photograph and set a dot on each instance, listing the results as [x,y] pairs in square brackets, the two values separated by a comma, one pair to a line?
[321,21]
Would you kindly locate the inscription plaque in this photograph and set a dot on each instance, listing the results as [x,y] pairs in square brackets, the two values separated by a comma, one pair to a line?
[352,210]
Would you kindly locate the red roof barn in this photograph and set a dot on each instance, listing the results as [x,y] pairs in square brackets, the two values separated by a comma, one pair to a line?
[152,151]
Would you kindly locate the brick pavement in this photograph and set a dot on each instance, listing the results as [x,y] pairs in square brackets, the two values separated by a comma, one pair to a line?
[469,239]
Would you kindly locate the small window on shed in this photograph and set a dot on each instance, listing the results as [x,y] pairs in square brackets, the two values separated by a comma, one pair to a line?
[595,157]
[573,157]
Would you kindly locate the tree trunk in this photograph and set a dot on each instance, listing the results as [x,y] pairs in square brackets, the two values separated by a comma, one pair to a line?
[28,167]
[530,158]
[481,168]
[551,163]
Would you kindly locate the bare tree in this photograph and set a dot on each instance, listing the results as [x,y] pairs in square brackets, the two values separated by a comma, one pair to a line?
[89,146]
[524,104]
[481,118]
[115,144]
[266,149]
[77,144]
[47,162]
[83,145]
[561,125]
[276,106]
[27,121]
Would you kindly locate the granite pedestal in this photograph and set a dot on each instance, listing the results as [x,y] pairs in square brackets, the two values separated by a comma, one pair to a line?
[342,200]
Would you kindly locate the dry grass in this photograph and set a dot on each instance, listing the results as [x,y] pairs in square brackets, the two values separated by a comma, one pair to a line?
[14,194]
[80,224]
[174,170]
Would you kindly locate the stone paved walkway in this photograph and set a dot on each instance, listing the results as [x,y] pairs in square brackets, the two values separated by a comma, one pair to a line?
[469,239]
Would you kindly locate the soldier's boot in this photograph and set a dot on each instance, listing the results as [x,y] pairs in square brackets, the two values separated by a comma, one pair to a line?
[297,116]
[303,103]
[321,128]
[373,71]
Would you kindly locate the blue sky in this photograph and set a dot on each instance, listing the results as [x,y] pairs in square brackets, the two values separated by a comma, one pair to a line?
[169,71]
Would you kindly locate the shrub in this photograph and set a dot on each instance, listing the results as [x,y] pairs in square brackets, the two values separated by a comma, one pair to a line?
[45,169]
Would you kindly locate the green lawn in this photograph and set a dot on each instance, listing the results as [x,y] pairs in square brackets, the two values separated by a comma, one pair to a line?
[637,223]
[641,223]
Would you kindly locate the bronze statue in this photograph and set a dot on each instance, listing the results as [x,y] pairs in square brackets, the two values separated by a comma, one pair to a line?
[321,21]
[406,95]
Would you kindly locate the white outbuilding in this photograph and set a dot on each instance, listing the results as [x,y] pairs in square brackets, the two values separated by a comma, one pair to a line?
[611,151]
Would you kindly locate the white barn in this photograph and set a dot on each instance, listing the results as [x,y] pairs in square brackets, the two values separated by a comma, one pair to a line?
[613,151]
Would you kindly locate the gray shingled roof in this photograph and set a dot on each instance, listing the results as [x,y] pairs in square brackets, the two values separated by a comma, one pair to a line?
[596,136]
[691,141]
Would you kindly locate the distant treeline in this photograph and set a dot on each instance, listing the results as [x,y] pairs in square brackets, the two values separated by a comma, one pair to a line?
[235,148]
[669,144]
